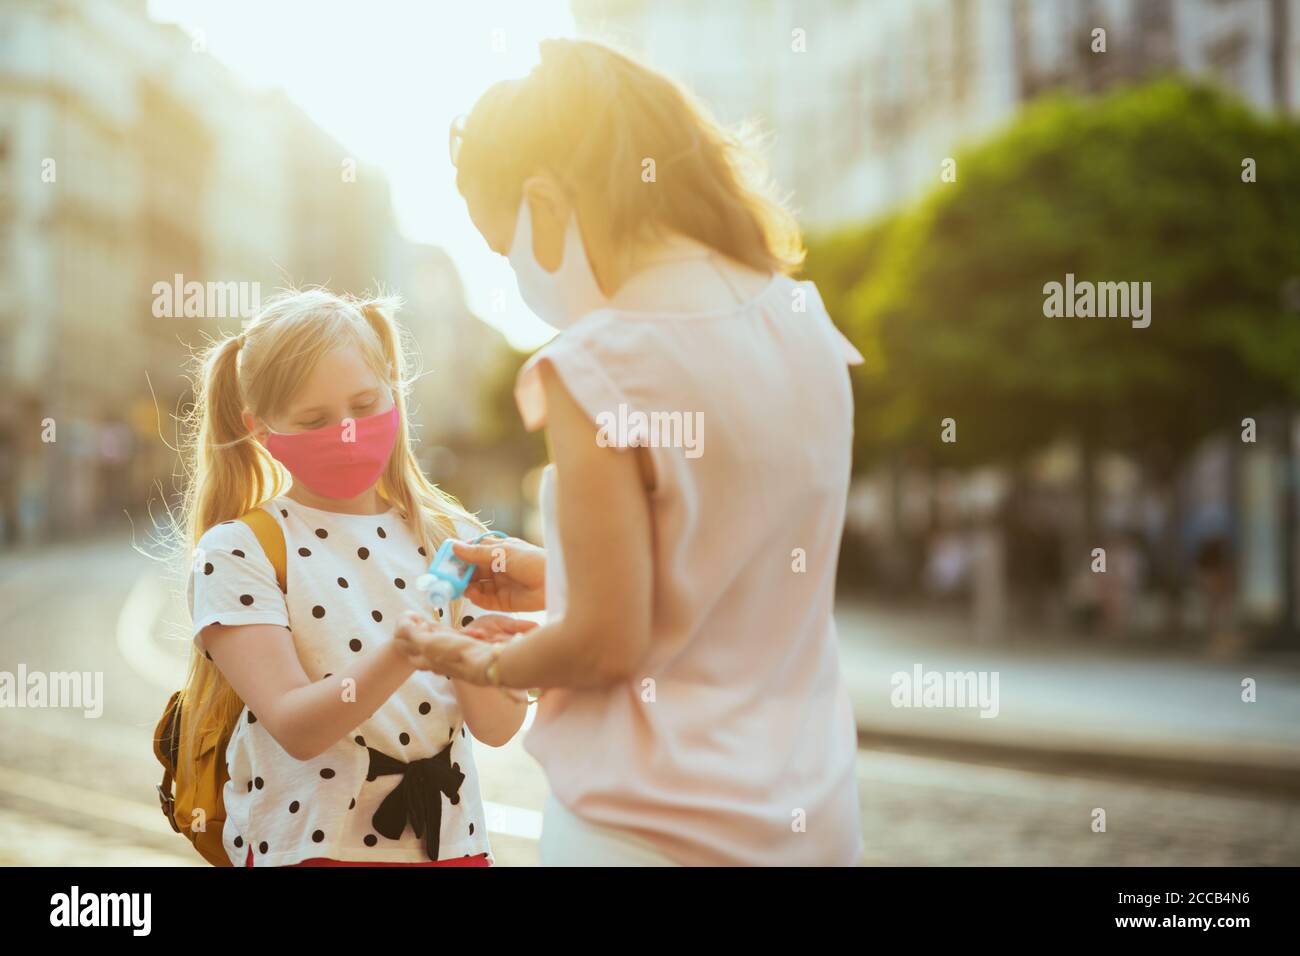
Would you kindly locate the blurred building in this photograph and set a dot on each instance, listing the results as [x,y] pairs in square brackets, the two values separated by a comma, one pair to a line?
[462,398]
[130,157]
[864,99]
[455,351]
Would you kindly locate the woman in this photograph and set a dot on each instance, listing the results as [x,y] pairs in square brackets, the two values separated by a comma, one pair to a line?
[693,709]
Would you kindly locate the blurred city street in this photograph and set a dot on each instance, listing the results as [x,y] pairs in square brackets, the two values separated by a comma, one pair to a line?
[1096,515]
[80,791]
[1081,701]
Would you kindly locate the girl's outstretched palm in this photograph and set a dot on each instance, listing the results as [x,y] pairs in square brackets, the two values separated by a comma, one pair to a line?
[510,574]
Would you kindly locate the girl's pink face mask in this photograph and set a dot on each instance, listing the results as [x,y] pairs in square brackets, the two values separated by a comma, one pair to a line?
[338,461]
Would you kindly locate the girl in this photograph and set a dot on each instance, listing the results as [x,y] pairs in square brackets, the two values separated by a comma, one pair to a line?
[342,754]
[695,710]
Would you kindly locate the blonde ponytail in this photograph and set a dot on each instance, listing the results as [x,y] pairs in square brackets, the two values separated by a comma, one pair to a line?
[229,476]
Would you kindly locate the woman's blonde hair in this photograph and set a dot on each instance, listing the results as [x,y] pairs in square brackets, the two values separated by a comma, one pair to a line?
[593,116]
[229,472]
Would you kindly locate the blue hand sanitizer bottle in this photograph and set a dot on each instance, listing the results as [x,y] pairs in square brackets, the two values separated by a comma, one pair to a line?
[448,575]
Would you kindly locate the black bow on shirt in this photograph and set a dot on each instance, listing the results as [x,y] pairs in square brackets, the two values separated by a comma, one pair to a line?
[417,799]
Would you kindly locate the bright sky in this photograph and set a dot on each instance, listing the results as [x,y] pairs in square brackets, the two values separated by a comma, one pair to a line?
[385,79]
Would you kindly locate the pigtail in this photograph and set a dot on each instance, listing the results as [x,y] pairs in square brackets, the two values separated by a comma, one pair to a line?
[228,476]
[230,470]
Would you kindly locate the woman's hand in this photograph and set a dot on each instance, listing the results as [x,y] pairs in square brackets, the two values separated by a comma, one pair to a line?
[497,628]
[510,575]
[432,646]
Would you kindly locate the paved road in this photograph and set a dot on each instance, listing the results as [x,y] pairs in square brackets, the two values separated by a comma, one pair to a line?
[79,790]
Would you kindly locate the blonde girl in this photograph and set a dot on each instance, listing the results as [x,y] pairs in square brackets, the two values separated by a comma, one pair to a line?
[343,754]
[693,710]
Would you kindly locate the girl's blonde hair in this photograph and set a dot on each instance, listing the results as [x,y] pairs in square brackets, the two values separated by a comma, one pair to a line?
[592,115]
[229,472]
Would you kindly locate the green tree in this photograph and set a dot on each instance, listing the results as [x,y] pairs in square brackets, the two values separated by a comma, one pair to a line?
[1142,185]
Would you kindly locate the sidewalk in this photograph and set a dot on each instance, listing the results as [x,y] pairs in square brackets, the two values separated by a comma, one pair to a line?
[1128,709]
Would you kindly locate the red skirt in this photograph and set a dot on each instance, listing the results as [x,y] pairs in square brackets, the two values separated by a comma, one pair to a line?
[478,859]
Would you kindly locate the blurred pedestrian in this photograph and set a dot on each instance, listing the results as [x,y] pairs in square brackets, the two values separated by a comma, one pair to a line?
[1216,580]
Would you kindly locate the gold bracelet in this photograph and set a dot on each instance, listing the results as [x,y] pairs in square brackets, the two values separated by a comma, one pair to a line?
[493,674]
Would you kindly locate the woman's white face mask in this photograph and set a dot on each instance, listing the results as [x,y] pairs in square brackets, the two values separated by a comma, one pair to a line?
[558,298]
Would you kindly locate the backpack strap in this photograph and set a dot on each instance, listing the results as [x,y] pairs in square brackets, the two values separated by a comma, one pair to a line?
[271,537]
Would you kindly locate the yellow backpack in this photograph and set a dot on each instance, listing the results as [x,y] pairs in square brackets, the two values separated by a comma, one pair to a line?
[199,783]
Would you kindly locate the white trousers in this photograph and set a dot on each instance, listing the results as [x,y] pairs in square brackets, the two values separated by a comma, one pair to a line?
[569,840]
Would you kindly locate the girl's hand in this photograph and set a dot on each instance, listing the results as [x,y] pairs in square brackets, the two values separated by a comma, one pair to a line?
[410,624]
[496,628]
[510,575]
[435,647]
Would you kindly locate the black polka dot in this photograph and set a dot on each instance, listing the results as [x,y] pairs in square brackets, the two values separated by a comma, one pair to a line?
[360,740]
[207,568]
[363,553]
[423,553]
[245,599]
[237,553]
[262,847]
[304,552]
[322,533]
[317,836]
[343,582]
[471,829]
[370,839]
[425,708]
[207,655]
[327,774]
[354,644]
[381,532]
[250,786]
[259,783]
[293,807]
[376,615]
[462,731]
[466,621]
[404,738]
[252,717]
[401,585]
[352,804]
[318,611]
[239,842]
[283,513]
[439,612]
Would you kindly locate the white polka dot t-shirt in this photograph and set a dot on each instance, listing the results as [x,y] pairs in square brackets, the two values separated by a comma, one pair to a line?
[349,579]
